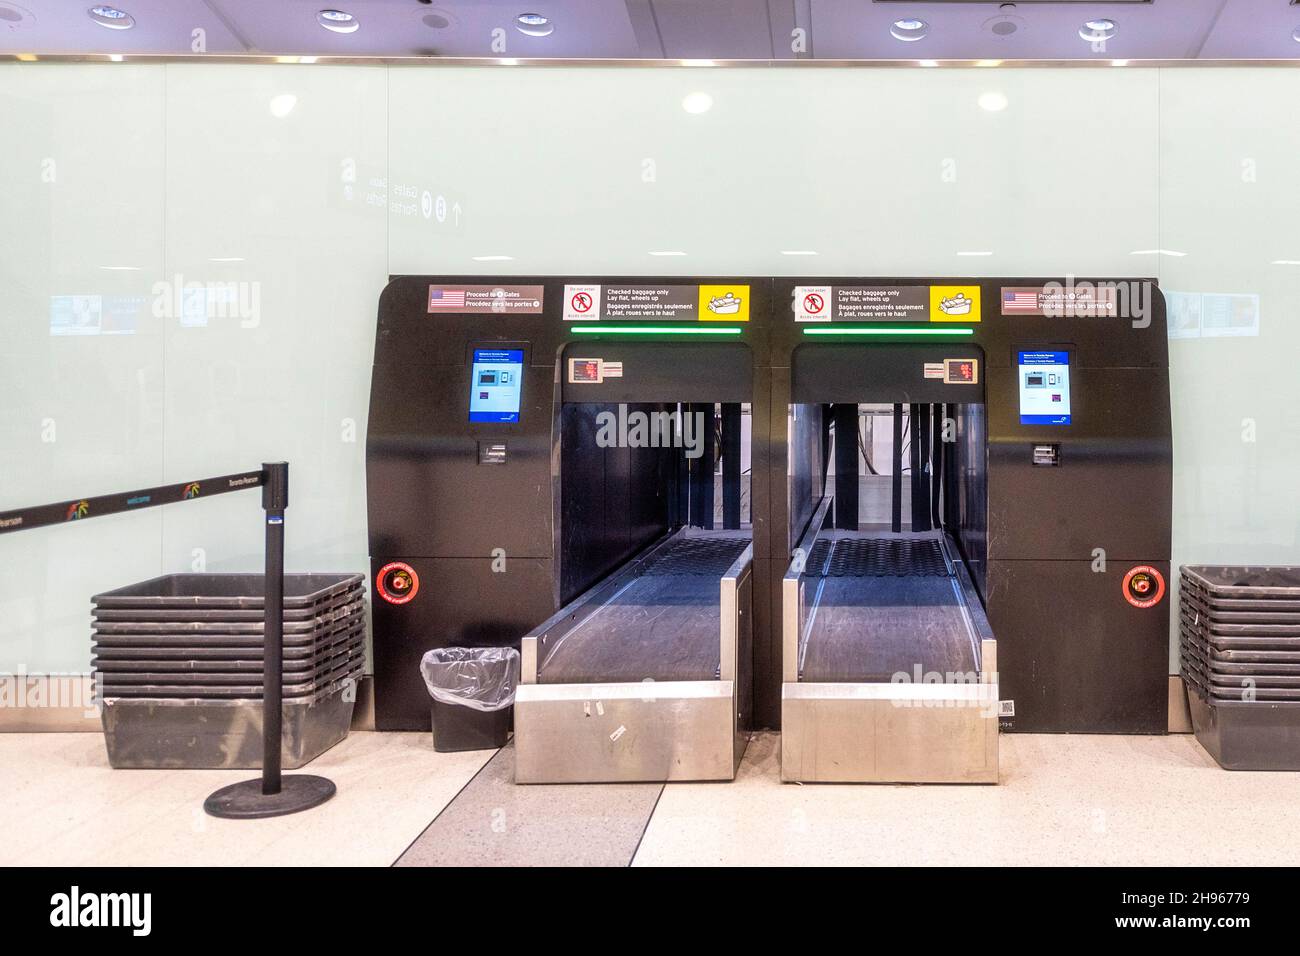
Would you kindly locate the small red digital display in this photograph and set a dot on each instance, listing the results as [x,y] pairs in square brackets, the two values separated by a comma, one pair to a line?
[585,370]
[960,370]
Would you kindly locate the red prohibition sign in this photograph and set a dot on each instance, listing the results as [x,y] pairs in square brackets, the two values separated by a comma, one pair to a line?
[581,302]
[813,303]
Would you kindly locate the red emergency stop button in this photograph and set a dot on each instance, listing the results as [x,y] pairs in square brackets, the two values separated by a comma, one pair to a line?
[397,583]
[1144,586]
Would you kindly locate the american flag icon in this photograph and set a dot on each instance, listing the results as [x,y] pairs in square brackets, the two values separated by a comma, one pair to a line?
[446,299]
[1015,300]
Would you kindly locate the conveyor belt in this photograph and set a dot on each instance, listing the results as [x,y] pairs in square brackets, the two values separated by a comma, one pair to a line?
[883,605]
[662,625]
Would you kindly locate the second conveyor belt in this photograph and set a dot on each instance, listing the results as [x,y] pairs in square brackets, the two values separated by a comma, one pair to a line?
[661,624]
[879,606]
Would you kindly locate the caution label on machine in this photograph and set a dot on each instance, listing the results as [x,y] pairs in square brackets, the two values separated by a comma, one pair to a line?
[873,303]
[640,303]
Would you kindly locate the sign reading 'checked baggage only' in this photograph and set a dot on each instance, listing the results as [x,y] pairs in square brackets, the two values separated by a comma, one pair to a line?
[639,303]
[899,303]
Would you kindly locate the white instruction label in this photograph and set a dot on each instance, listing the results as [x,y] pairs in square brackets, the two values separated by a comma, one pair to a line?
[812,303]
[582,303]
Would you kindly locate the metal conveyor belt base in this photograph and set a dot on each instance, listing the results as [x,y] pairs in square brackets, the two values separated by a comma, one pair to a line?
[662,625]
[880,606]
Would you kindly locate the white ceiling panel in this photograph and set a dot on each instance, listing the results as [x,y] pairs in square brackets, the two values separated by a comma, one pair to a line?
[673,29]
[850,29]
[162,26]
[402,28]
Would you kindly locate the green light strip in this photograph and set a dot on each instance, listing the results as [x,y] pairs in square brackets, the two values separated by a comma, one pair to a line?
[656,329]
[885,330]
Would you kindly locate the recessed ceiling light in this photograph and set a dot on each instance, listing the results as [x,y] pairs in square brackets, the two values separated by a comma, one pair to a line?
[993,101]
[1094,31]
[988,62]
[668,253]
[798,252]
[909,29]
[1119,62]
[493,258]
[338,21]
[1157,252]
[697,102]
[975,253]
[111,17]
[1286,262]
[534,25]
[927,62]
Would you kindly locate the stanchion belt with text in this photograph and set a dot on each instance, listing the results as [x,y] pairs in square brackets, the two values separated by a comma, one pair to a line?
[272,794]
[96,506]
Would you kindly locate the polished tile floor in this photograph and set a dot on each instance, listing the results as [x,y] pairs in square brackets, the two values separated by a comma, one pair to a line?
[1063,799]
[63,805]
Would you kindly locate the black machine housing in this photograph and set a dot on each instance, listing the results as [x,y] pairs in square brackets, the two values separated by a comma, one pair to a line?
[500,544]
[1048,546]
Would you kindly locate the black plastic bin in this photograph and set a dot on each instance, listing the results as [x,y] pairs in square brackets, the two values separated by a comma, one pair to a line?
[457,727]
[178,664]
[227,591]
[1240,660]
[473,689]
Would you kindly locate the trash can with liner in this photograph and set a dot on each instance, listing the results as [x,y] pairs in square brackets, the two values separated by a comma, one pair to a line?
[473,689]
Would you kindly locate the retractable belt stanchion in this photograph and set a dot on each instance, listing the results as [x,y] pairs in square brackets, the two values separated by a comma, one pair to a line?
[272,795]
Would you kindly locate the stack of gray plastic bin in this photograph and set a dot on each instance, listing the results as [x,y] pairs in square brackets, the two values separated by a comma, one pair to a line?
[178,668]
[1240,656]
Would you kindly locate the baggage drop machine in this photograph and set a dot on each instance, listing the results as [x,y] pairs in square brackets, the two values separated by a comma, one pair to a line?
[565,466]
[976,524]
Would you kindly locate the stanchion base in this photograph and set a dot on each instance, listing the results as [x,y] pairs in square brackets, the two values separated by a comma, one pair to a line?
[246,801]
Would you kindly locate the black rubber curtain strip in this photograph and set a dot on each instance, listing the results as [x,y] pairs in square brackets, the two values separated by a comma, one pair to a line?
[896,498]
[731,427]
[846,465]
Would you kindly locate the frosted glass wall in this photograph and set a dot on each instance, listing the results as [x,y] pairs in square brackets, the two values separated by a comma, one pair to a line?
[878,171]
[189,270]
[82,364]
[1230,209]
[192,255]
